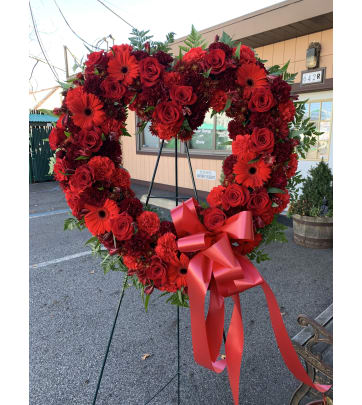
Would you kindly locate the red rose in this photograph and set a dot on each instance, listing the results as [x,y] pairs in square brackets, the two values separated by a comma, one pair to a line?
[103,168]
[61,170]
[215,195]
[235,196]
[215,60]
[259,202]
[246,54]
[287,111]
[96,59]
[157,271]
[121,178]
[261,100]
[82,178]
[150,71]
[262,140]
[219,100]
[113,89]
[183,95]
[194,54]
[148,222]
[168,113]
[56,138]
[214,219]
[122,226]
[90,140]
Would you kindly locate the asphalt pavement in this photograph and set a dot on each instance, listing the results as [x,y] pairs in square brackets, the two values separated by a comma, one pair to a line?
[73,304]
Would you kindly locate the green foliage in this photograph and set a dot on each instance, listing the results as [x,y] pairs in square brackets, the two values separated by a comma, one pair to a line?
[73,223]
[274,232]
[226,39]
[193,40]
[303,129]
[138,40]
[317,186]
[258,255]
[293,186]
[179,298]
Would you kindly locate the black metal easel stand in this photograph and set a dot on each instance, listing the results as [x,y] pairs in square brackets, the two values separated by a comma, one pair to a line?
[177,199]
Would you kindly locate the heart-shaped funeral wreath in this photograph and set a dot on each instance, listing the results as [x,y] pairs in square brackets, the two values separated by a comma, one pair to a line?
[204,247]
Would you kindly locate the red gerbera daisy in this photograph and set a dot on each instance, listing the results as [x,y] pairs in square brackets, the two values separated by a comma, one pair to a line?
[86,108]
[177,271]
[251,76]
[98,219]
[123,66]
[251,174]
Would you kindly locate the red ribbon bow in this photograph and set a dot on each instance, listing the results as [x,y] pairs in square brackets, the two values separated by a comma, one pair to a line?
[218,268]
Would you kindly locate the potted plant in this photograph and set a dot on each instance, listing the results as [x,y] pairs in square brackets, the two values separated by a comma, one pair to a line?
[312,209]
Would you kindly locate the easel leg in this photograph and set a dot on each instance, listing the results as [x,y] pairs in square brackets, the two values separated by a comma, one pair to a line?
[110,339]
[154,172]
[191,171]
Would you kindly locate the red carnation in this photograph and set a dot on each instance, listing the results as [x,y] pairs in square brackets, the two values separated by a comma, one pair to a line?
[82,178]
[214,219]
[262,140]
[150,71]
[103,168]
[183,95]
[235,196]
[219,100]
[56,138]
[132,263]
[215,196]
[194,54]
[228,164]
[148,222]
[246,247]
[292,165]
[261,100]
[287,111]
[121,178]
[122,226]
[215,60]
[166,247]
[242,145]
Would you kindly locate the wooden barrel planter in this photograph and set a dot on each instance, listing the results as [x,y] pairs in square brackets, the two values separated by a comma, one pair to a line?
[313,232]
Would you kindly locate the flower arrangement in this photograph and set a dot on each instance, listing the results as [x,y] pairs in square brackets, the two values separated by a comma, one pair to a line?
[174,94]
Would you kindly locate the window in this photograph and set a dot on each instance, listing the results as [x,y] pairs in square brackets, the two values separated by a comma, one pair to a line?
[320,112]
[210,138]
[212,135]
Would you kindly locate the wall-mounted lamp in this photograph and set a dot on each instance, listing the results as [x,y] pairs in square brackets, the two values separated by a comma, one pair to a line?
[313,52]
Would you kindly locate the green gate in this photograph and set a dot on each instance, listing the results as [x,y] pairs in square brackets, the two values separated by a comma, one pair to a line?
[39,153]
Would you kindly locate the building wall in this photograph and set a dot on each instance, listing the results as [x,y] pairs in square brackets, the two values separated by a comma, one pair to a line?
[141,166]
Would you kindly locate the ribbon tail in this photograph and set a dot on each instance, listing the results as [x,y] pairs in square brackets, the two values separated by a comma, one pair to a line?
[286,348]
[234,348]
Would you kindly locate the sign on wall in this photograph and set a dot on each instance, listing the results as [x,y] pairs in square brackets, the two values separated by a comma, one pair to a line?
[205,174]
[314,76]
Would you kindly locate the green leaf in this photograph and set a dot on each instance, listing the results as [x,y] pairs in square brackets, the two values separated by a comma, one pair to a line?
[253,161]
[133,99]
[146,301]
[103,137]
[82,158]
[125,132]
[91,240]
[67,134]
[237,52]
[226,39]
[273,190]
[207,74]
[193,40]
[64,85]
[186,125]
[227,105]
[274,204]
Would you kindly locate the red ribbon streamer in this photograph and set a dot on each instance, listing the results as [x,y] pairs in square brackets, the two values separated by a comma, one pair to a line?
[216,267]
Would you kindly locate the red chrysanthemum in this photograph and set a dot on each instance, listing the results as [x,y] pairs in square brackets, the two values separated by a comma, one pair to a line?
[242,145]
[87,109]
[251,76]
[214,198]
[148,222]
[251,174]
[98,219]
[219,100]
[123,66]
[121,178]
[103,168]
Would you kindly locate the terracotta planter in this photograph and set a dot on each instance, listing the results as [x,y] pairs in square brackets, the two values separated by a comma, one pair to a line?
[313,232]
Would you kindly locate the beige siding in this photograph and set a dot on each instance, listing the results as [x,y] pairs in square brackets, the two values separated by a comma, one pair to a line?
[141,166]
